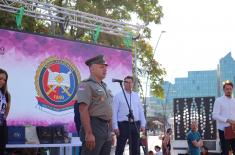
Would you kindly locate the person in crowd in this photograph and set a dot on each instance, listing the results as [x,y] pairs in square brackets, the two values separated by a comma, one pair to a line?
[5,101]
[166,142]
[194,139]
[224,114]
[158,150]
[95,109]
[150,153]
[144,141]
[123,128]
[204,150]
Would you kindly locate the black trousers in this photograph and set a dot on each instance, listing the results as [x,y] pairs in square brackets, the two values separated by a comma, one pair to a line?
[124,129]
[3,137]
[226,145]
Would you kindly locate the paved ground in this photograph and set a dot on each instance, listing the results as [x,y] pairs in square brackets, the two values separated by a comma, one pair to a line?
[152,141]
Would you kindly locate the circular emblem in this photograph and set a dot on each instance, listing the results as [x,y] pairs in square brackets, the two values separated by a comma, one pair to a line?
[56,83]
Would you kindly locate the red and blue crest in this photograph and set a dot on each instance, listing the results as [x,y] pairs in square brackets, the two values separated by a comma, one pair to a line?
[56,83]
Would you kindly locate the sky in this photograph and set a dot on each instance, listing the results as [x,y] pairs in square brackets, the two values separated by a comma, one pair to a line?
[198,33]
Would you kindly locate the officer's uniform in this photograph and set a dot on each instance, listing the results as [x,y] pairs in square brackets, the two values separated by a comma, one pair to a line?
[99,99]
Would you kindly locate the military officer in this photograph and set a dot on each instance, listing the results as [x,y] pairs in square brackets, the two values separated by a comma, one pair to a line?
[95,109]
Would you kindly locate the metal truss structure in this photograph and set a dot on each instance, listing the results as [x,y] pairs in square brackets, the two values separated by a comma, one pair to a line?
[69,17]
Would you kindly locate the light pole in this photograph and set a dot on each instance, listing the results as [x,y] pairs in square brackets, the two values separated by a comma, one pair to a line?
[158,42]
[146,87]
[170,93]
[164,108]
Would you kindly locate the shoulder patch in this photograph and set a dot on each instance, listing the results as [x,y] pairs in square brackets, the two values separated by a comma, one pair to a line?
[81,87]
[87,80]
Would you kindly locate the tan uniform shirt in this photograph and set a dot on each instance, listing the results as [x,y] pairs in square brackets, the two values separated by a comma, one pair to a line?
[97,96]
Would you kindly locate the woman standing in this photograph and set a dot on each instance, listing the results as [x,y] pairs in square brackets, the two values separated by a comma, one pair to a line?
[166,142]
[4,109]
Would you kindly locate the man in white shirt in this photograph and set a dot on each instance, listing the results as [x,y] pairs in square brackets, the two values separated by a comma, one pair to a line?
[121,125]
[223,113]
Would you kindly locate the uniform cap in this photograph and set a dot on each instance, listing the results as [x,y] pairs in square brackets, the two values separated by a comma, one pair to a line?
[99,59]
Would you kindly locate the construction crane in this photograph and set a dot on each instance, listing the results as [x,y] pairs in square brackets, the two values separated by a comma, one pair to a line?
[70,17]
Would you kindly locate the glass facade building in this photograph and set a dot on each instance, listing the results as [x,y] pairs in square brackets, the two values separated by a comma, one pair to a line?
[226,71]
[198,84]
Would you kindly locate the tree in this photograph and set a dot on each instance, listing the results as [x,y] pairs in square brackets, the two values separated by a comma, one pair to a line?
[151,68]
[122,10]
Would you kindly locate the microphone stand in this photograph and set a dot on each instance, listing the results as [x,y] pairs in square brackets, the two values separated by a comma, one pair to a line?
[131,120]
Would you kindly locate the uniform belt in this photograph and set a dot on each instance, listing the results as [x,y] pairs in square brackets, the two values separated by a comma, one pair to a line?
[130,122]
[100,119]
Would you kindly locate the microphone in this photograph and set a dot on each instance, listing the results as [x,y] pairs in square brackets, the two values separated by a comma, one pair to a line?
[117,80]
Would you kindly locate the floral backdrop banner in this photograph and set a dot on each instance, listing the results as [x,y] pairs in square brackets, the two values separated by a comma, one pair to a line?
[44,73]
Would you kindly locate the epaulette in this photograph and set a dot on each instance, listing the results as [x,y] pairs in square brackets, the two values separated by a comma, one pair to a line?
[104,84]
[87,80]
[91,80]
